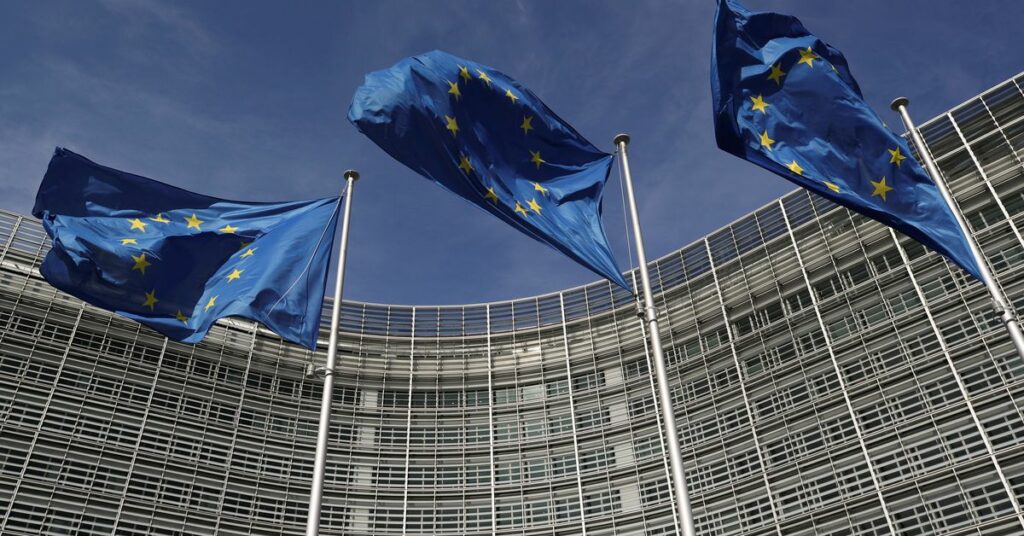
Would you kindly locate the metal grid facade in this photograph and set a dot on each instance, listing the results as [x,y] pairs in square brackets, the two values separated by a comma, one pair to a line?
[809,352]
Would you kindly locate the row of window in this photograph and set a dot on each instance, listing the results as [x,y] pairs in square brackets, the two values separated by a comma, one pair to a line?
[913,417]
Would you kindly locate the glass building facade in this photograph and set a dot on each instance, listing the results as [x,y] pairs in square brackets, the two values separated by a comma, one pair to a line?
[830,377]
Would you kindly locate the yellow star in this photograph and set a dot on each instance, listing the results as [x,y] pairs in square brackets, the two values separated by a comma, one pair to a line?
[453,125]
[235,274]
[759,104]
[194,222]
[453,88]
[181,317]
[491,195]
[464,164]
[527,125]
[228,229]
[140,263]
[160,218]
[766,141]
[511,96]
[519,208]
[536,159]
[795,168]
[211,303]
[126,241]
[895,157]
[539,188]
[464,73]
[534,206]
[881,188]
[138,224]
[484,77]
[808,57]
[249,253]
[776,74]
[832,186]
[150,300]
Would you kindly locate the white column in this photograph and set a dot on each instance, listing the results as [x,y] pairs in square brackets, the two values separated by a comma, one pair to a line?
[572,415]
[490,424]
[839,372]
[959,382]
[743,386]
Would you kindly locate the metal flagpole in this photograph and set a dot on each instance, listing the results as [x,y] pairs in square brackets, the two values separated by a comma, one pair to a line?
[316,492]
[664,393]
[999,300]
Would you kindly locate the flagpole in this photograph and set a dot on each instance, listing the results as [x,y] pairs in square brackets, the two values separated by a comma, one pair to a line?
[999,300]
[323,432]
[664,392]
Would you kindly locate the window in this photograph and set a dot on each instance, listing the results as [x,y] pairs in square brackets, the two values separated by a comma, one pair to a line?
[592,418]
[591,380]
[567,508]
[558,388]
[655,492]
[647,447]
[563,464]
[508,395]
[599,458]
[641,406]
[477,397]
[887,260]
[636,369]
[558,424]
[602,503]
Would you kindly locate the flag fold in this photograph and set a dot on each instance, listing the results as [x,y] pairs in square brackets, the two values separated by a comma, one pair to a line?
[786,101]
[486,138]
[177,261]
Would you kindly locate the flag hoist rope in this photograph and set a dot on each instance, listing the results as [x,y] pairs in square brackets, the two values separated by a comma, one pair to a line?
[316,491]
[999,301]
[664,392]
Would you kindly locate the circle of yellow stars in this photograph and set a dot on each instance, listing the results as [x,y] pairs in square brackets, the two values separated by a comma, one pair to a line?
[455,90]
[144,260]
[758,104]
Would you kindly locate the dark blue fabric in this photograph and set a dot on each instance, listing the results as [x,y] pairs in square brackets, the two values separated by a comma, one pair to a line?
[815,115]
[119,238]
[519,161]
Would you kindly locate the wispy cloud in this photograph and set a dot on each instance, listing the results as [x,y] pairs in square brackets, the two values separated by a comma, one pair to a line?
[144,18]
[251,105]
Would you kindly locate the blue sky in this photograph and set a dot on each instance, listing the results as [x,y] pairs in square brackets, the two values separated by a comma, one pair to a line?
[247,100]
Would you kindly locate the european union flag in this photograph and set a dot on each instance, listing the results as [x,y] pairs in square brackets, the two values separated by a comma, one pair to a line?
[486,138]
[785,100]
[177,261]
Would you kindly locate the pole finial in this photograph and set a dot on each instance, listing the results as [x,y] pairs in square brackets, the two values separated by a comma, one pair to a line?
[899,102]
[352,173]
[621,138]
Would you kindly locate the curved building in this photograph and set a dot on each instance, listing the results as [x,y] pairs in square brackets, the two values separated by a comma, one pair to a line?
[809,352]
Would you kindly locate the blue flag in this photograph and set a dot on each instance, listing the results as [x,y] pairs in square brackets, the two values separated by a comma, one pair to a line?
[177,261]
[484,137]
[785,100]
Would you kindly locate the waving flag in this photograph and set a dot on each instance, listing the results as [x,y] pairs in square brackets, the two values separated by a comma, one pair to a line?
[785,100]
[177,261]
[484,137]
